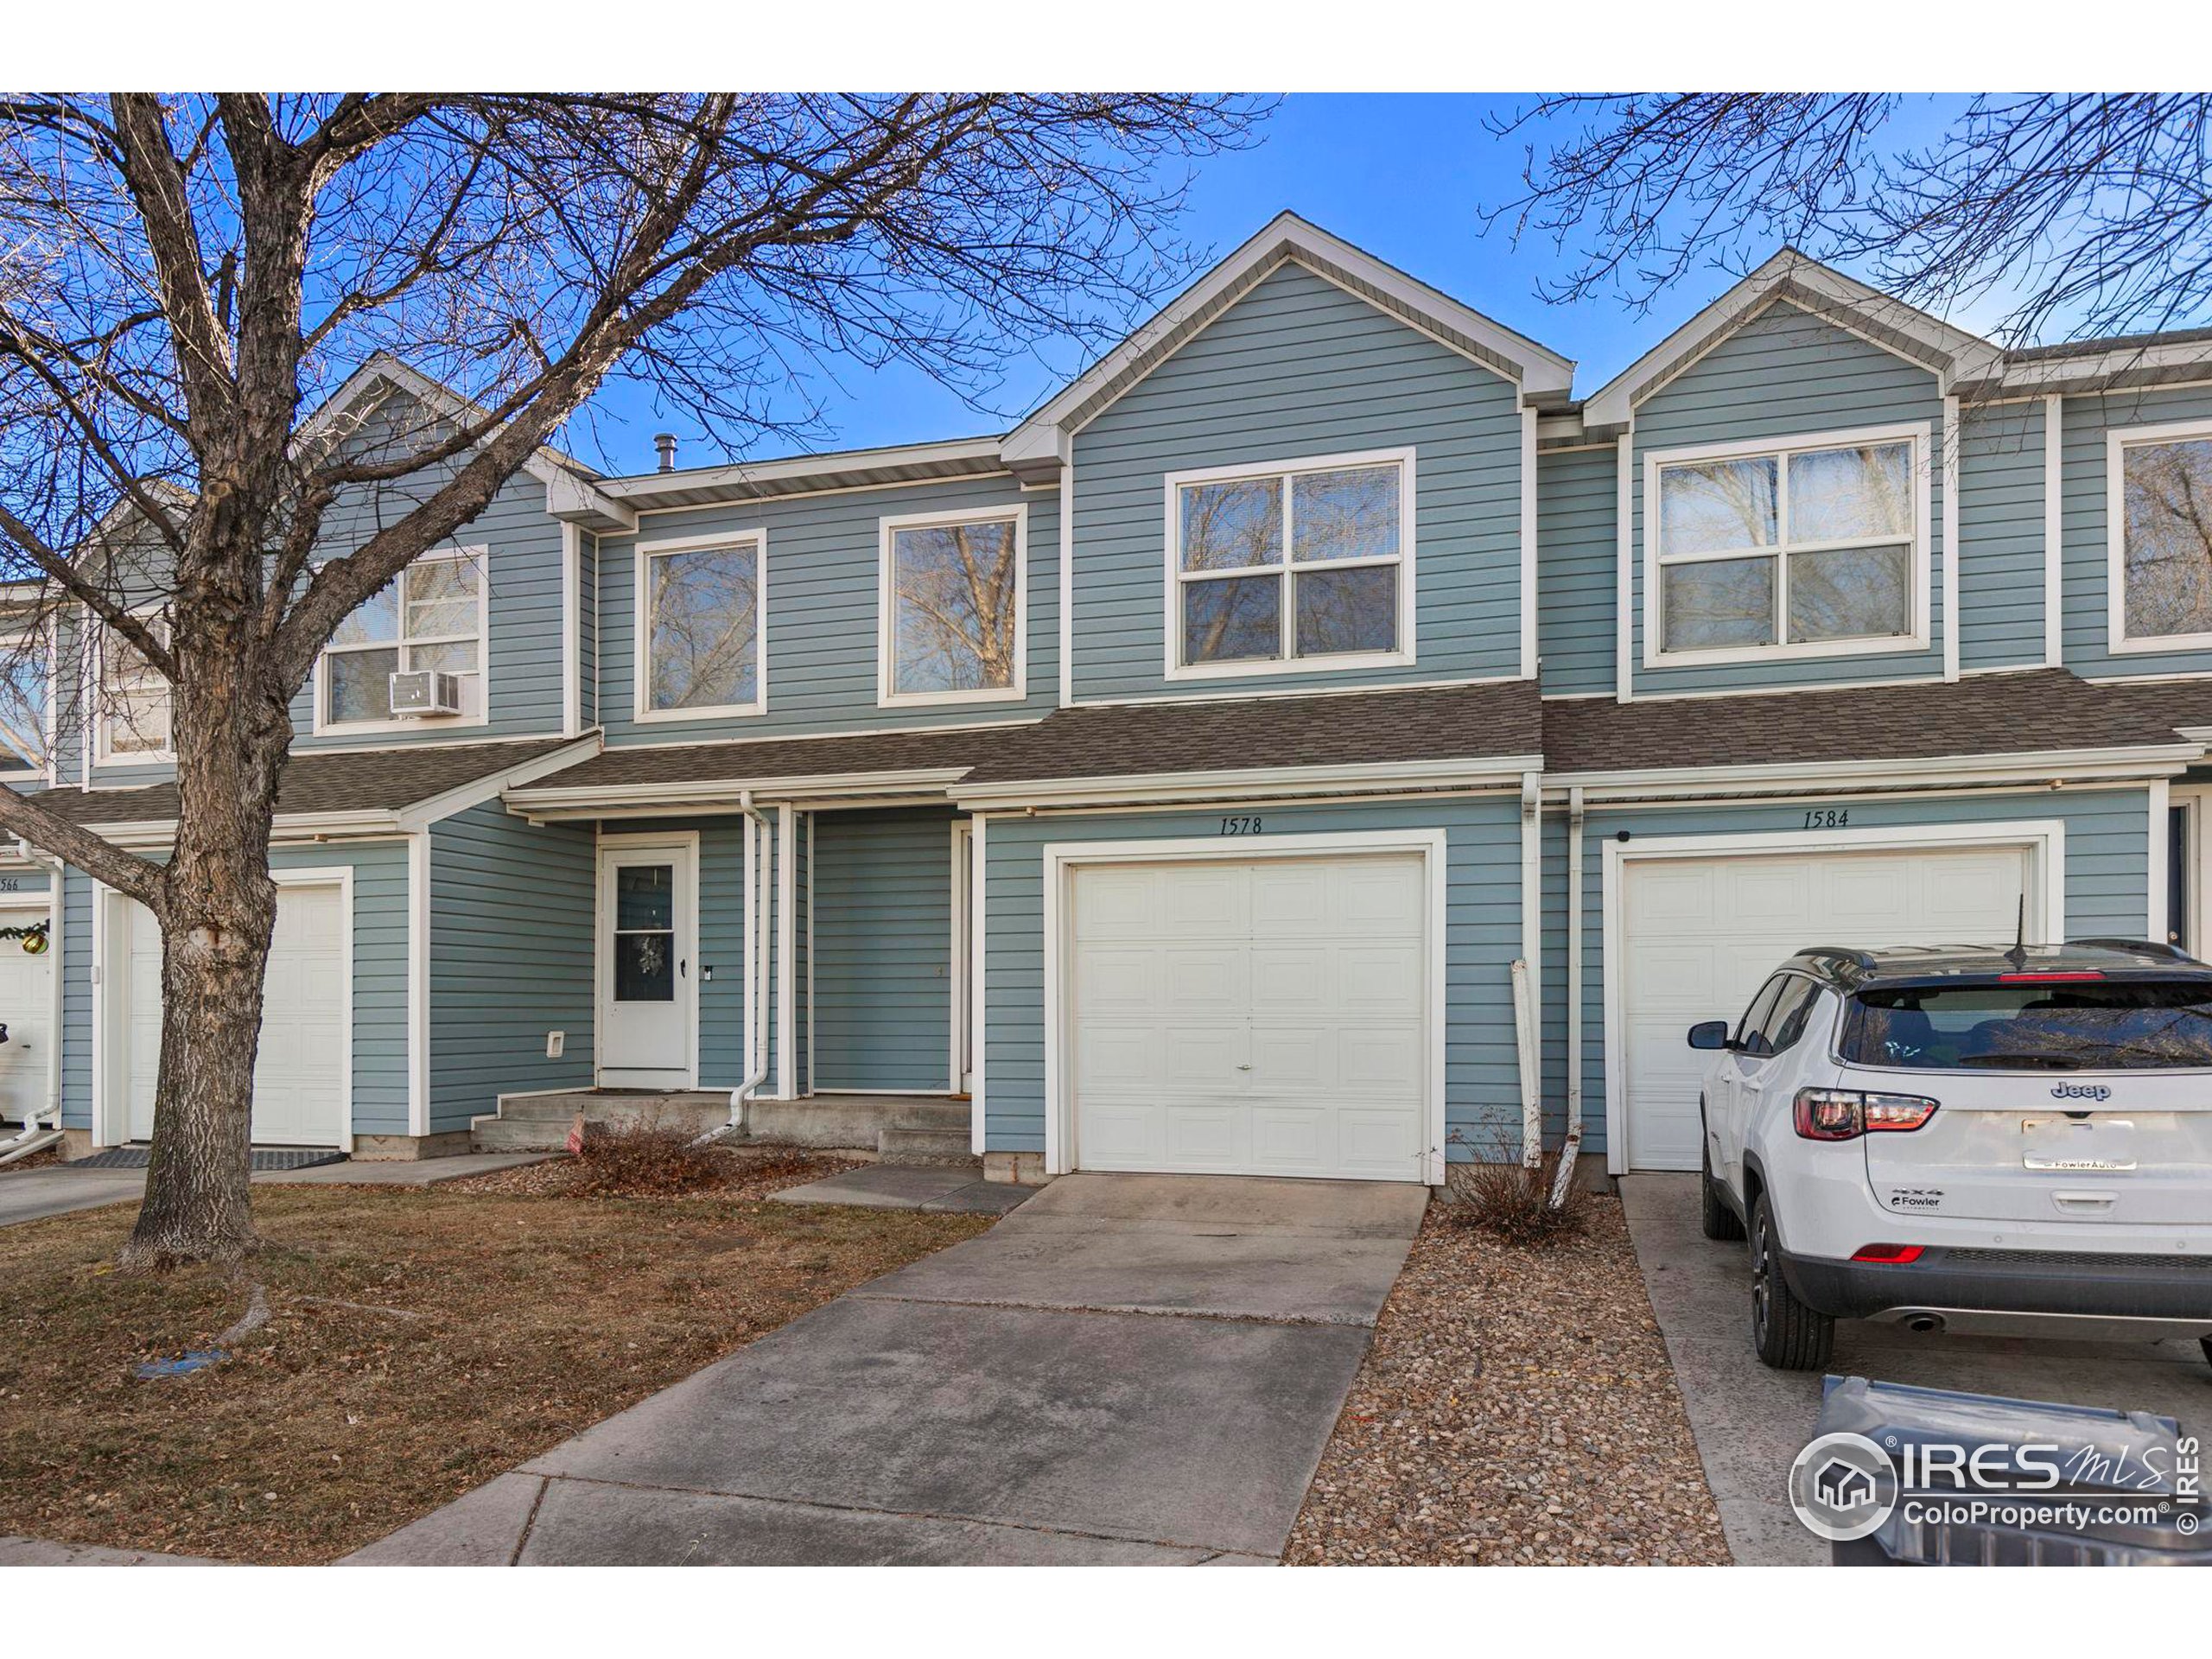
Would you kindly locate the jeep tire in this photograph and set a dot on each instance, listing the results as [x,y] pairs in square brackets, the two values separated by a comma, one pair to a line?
[1786,1334]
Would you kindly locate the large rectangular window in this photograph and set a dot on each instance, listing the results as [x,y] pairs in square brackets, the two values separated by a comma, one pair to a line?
[1803,548]
[952,608]
[134,700]
[430,617]
[2161,500]
[1308,562]
[701,618]
[26,676]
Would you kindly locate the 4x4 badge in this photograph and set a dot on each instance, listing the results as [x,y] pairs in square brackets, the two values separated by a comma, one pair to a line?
[2080,1091]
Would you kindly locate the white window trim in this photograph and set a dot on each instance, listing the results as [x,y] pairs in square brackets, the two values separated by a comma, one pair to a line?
[1922,436]
[1172,616]
[2117,440]
[887,695]
[481,557]
[641,709]
[2044,839]
[104,751]
[49,635]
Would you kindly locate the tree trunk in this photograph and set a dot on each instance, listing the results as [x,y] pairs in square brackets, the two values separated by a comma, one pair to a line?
[217,910]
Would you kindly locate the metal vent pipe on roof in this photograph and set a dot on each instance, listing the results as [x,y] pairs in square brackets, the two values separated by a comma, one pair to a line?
[665,446]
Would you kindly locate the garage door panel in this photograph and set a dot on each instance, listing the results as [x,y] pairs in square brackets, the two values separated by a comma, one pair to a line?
[1684,961]
[299,1072]
[1316,968]
[26,1009]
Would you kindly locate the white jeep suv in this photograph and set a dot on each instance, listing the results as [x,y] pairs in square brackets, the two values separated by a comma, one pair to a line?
[1967,1138]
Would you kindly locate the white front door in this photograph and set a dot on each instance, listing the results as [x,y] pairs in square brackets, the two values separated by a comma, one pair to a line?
[1262,1018]
[1701,935]
[648,923]
[26,1009]
[299,1071]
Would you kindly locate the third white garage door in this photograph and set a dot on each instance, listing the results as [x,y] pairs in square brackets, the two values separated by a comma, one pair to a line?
[1264,1017]
[1700,933]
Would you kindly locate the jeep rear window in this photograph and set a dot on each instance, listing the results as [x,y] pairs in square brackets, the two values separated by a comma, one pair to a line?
[2108,1026]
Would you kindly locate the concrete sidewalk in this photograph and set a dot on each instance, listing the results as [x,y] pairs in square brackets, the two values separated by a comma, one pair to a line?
[1128,1369]
[1751,1421]
[57,1189]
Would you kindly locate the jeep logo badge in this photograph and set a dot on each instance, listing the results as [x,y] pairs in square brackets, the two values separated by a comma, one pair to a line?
[2080,1091]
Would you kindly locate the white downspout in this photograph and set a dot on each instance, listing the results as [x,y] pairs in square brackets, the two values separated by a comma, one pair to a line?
[756,956]
[1573,1149]
[1528,1001]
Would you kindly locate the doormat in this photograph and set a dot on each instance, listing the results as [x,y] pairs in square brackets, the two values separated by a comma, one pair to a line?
[265,1158]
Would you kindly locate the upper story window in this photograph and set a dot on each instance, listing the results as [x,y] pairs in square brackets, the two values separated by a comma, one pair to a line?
[134,699]
[2161,556]
[1306,563]
[701,621]
[1812,548]
[431,617]
[953,608]
[25,695]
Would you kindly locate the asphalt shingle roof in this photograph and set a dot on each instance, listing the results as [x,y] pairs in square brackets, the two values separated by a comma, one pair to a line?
[2041,710]
[365,780]
[768,759]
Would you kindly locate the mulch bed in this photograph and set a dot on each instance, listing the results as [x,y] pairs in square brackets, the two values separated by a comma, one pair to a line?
[421,1341]
[1517,1408]
[751,1172]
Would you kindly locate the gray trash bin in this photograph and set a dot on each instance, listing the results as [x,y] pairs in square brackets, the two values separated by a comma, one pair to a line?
[2106,1459]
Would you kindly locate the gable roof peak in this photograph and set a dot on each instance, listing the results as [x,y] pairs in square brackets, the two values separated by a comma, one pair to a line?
[1041,443]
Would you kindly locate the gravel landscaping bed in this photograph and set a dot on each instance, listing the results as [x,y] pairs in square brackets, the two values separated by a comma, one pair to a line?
[1517,1408]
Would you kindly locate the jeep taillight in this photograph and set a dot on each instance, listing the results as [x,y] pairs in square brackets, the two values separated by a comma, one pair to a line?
[1846,1113]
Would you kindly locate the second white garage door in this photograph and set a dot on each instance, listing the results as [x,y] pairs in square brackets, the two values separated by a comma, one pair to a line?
[299,1076]
[1261,1018]
[1700,934]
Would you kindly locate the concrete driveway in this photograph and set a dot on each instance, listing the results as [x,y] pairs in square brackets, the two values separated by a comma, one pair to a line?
[1127,1368]
[1751,1421]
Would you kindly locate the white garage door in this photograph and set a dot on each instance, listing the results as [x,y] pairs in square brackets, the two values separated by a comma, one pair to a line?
[299,1078]
[1261,1018]
[1701,933]
[26,1009]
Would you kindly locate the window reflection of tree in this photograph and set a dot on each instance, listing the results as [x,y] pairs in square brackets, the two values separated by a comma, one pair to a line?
[2168,545]
[705,611]
[956,621]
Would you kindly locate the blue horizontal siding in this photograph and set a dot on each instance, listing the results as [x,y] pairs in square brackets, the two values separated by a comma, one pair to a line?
[1577,560]
[2001,536]
[1785,373]
[882,921]
[1299,367]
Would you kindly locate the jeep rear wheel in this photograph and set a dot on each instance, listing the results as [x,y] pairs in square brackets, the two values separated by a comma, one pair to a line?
[1787,1335]
[1715,1218]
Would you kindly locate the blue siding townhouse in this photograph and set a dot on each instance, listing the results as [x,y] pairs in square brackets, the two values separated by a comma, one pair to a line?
[1173,782]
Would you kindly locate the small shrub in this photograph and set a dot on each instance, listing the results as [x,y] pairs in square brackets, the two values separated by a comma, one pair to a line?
[646,1160]
[1497,1194]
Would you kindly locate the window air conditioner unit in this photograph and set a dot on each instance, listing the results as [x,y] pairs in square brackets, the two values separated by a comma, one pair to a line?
[425,691]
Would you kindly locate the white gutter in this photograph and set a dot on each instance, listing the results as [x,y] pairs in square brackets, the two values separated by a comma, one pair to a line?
[1245,783]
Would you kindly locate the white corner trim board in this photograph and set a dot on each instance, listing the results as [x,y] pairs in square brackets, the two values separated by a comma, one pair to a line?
[2043,839]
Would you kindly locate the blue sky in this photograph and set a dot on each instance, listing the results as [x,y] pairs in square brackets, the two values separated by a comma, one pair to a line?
[1400,174]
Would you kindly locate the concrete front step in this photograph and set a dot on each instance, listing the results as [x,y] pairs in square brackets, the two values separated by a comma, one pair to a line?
[903,1145]
[521,1134]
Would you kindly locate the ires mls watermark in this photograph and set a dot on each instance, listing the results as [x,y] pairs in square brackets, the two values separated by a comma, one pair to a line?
[1844,1486]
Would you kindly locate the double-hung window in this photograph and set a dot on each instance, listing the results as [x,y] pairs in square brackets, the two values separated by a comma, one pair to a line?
[702,619]
[430,617]
[26,702]
[1801,548]
[134,700]
[1302,563]
[952,608]
[2159,491]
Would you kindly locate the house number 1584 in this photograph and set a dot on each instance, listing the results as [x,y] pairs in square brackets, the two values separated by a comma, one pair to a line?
[1827,817]
[1240,826]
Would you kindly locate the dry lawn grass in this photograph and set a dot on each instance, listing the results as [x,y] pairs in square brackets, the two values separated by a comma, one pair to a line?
[422,1342]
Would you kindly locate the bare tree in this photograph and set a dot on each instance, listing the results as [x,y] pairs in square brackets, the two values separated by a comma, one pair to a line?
[181,278]
[2085,214]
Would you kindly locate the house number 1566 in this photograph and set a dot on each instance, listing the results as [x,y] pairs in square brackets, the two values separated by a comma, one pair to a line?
[1240,826]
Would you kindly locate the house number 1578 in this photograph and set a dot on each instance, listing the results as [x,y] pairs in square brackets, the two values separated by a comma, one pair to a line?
[1240,826]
